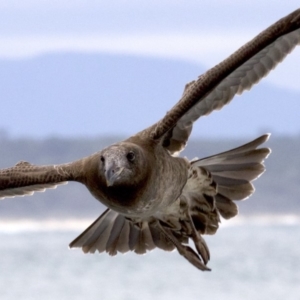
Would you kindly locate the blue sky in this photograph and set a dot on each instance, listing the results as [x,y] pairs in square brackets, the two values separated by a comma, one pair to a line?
[198,32]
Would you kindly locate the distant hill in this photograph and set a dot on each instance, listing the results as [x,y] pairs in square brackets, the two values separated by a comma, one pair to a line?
[278,189]
[75,94]
[72,94]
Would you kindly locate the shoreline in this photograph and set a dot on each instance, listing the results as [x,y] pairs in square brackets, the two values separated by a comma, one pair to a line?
[73,224]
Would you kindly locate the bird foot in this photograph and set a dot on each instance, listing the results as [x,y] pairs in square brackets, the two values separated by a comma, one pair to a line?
[188,253]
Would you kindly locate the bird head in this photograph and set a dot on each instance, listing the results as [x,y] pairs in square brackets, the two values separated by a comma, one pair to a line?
[123,164]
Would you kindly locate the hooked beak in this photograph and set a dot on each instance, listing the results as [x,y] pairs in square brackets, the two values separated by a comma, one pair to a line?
[112,173]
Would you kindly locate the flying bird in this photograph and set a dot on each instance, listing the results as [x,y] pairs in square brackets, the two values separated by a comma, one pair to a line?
[155,198]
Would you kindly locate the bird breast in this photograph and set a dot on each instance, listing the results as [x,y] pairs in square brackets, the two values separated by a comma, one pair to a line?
[167,178]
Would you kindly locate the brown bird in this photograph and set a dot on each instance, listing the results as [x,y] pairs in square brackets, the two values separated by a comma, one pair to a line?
[154,198]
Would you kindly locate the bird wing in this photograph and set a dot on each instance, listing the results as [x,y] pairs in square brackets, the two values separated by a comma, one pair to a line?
[25,178]
[233,171]
[215,88]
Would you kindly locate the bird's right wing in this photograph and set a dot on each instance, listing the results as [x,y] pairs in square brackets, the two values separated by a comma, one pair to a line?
[25,178]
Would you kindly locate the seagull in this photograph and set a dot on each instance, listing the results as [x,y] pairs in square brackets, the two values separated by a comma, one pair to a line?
[155,198]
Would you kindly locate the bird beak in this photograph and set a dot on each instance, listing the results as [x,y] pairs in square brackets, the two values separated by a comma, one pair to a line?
[112,173]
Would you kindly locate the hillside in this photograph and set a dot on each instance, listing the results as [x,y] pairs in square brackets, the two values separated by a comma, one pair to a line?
[72,94]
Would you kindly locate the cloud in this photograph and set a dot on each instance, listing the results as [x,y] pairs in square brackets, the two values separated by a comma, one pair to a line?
[194,47]
[204,49]
[202,32]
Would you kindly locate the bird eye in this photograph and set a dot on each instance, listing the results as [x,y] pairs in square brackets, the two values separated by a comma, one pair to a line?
[102,159]
[130,156]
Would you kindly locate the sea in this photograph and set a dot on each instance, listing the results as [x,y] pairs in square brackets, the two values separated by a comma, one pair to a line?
[251,258]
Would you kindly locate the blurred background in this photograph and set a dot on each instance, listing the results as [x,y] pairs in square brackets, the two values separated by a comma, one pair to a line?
[76,76]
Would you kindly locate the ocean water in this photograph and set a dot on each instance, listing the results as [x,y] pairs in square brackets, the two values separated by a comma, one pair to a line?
[257,258]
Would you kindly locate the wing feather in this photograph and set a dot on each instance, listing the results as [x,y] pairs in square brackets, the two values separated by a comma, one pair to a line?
[239,72]
[27,190]
[233,172]
[25,178]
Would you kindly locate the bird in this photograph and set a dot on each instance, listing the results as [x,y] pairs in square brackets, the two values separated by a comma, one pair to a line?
[154,197]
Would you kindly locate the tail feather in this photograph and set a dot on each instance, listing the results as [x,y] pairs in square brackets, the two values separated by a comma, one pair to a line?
[133,236]
[114,233]
[122,245]
[101,229]
[146,237]
[144,241]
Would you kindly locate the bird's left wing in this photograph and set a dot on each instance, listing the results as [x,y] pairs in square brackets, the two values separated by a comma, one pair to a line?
[220,84]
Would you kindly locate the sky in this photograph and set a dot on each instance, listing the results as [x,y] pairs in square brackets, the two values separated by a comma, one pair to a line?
[198,32]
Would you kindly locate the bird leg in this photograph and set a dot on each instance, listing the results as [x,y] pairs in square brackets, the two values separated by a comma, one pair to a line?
[183,250]
[198,240]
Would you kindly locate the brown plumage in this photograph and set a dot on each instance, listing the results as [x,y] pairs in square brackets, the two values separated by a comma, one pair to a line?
[154,198]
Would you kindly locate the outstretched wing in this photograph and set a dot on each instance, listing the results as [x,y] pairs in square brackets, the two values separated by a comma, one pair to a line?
[25,178]
[233,172]
[234,75]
